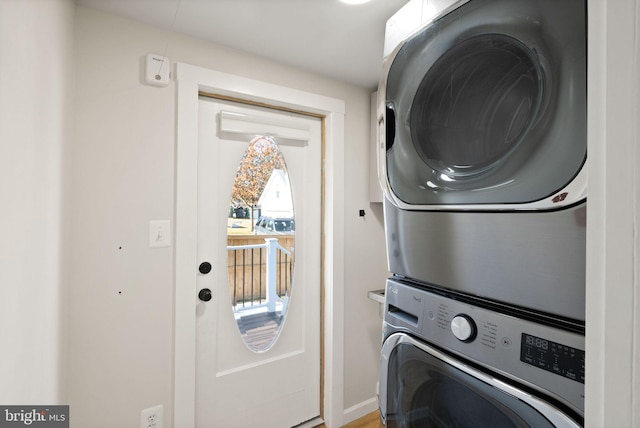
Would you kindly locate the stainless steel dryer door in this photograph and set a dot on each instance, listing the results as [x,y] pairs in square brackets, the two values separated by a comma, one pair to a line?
[485,108]
[423,387]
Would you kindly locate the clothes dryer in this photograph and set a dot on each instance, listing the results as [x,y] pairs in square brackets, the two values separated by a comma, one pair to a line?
[482,149]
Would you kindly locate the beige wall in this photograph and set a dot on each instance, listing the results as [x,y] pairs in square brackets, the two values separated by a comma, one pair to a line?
[36,71]
[121,291]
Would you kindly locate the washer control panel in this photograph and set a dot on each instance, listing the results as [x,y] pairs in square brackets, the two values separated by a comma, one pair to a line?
[554,357]
[463,328]
[545,358]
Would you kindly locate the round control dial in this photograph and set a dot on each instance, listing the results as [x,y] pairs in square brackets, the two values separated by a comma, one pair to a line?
[463,328]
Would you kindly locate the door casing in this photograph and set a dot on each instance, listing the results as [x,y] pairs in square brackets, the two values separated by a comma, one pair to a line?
[190,81]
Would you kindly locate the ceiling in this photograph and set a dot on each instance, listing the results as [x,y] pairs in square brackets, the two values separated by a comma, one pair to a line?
[326,37]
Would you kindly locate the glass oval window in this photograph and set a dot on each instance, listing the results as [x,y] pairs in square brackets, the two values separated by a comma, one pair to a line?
[260,244]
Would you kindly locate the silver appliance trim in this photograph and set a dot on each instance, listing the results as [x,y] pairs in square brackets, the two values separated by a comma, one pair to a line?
[530,260]
[552,413]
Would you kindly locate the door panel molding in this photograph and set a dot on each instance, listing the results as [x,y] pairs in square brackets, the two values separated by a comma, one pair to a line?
[191,81]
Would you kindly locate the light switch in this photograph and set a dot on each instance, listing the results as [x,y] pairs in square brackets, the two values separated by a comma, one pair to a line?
[160,233]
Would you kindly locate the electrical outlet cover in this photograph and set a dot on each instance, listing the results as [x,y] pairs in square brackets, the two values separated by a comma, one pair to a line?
[151,417]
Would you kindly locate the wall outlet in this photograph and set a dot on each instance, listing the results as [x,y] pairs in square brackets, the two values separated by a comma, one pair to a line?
[151,417]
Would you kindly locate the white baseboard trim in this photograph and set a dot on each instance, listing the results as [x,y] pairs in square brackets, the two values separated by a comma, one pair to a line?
[359,410]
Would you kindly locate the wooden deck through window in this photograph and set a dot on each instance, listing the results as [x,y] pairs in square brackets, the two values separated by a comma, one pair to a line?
[258,330]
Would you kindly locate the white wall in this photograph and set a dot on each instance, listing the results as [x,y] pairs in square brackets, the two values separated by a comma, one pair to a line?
[36,71]
[121,291]
[366,270]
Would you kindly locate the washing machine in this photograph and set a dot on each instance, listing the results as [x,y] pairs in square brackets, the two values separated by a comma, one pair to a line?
[450,361]
[482,150]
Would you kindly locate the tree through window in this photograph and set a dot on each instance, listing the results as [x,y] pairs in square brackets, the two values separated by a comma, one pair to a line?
[260,159]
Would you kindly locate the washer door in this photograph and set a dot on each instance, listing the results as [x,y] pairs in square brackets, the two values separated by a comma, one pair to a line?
[422,387]
[487,106]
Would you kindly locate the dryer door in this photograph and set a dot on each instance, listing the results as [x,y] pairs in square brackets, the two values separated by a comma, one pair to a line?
[486,108]
[423,387]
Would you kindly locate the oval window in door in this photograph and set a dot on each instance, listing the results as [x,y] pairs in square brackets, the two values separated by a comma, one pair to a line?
[260,243]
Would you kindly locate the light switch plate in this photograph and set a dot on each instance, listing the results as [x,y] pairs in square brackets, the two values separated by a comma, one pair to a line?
[160,233]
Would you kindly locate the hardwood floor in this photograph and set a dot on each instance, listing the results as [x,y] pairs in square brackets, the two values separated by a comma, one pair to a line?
[372,420]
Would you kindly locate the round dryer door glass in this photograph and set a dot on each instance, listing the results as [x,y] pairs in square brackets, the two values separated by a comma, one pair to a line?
[487,105]
[475,105]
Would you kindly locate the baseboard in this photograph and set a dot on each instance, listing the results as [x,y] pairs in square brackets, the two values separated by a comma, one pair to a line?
[359,410]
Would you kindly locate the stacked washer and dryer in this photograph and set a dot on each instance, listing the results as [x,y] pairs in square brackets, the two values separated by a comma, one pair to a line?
[482,158]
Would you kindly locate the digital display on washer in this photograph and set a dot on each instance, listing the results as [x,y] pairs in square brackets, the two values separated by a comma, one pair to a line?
[553,357]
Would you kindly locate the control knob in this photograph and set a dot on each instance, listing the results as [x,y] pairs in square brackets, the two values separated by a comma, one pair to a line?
[463,328]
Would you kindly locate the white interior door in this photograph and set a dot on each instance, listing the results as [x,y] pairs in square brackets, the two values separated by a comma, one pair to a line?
[235,385]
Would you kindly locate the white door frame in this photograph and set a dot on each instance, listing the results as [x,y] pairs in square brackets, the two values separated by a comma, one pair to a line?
[612,389]
[190,80]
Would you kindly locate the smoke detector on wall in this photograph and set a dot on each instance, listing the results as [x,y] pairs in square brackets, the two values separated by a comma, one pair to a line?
[157,70]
